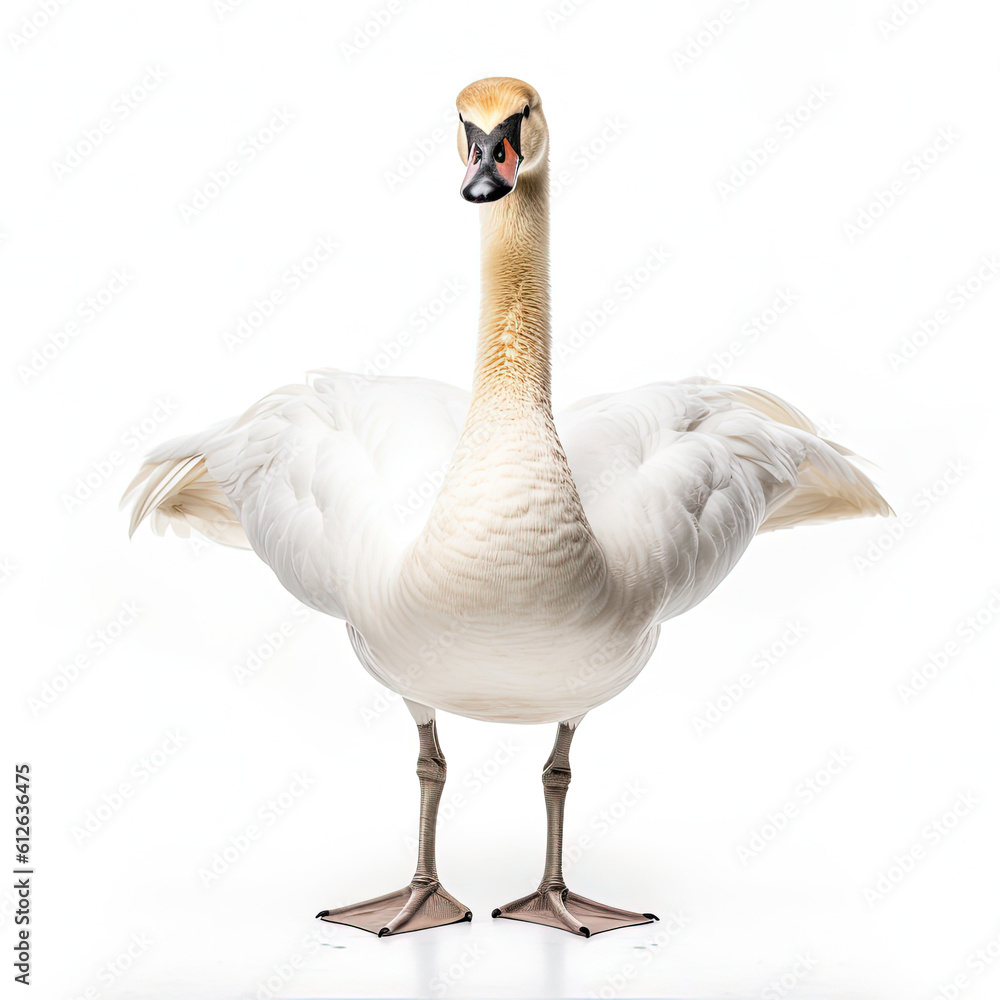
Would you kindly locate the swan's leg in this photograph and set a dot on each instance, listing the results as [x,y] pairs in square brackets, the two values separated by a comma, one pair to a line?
[423,903]
[552,903]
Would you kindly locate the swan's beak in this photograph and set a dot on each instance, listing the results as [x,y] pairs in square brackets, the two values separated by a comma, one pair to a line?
[494,159]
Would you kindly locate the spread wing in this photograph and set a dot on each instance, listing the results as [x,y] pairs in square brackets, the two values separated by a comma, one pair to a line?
[677,477]
[328,481]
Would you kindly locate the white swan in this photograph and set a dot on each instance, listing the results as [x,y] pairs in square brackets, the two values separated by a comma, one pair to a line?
[537,596]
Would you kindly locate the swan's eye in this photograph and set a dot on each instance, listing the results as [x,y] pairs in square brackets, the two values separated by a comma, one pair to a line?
[524,113]
[460,118]
[498,153]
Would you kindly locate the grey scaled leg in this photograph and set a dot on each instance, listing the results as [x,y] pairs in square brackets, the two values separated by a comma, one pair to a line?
[423,903]
[552,903]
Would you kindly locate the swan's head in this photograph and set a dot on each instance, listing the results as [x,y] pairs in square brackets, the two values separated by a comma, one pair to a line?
[501,134]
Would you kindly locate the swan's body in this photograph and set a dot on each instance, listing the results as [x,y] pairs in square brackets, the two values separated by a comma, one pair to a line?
[489,560]
[506,595]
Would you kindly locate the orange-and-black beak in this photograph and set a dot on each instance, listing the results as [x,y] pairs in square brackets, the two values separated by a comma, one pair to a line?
[493,160]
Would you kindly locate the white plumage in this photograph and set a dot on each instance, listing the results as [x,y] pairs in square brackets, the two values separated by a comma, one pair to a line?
[333,484]
[490,560]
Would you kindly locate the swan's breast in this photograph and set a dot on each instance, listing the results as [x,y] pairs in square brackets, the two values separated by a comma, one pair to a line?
[507,540]
[504,607]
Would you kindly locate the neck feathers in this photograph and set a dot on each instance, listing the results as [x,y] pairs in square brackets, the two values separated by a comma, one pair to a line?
[507,535]
[513,353]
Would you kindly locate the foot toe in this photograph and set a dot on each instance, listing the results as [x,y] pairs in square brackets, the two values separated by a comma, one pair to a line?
[567,911]
[416,907]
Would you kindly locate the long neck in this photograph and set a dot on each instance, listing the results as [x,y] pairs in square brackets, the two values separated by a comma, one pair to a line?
[507,535]
[512,356]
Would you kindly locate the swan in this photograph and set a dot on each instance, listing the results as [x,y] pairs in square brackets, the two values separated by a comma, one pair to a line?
[519,593]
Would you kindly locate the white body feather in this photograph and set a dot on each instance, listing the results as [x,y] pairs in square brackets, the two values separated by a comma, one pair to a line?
[473,576]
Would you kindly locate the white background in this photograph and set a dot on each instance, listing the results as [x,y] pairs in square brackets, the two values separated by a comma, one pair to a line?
[644,142]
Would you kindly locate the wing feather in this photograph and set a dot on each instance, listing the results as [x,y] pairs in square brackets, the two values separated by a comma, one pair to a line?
[326,481]
[319,479]
[677,477]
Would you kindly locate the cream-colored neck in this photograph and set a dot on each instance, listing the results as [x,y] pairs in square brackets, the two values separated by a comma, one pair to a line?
[507,535]
[513,351]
